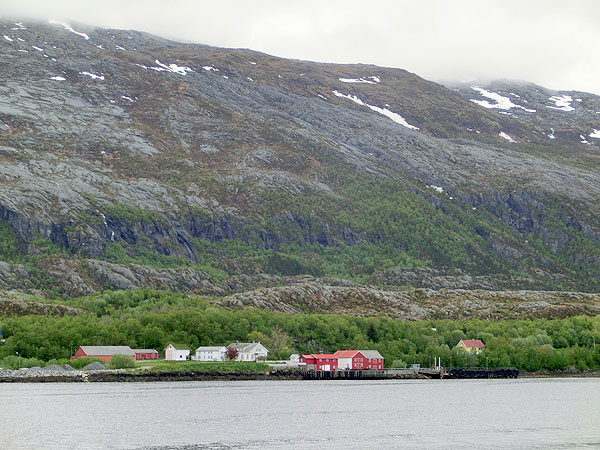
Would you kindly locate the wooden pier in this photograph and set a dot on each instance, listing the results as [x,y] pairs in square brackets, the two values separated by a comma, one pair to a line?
[420,373]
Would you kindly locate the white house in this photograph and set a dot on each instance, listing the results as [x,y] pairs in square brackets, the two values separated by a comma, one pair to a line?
[176,352]
[210,354]
[250,351]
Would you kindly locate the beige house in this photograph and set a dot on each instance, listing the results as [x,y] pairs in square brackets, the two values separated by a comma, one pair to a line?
[471,345]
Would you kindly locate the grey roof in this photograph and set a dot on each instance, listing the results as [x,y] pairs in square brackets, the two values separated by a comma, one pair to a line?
[246,346]
[101,350]
[371,354]
[143,350]
[210,349]
[179,347]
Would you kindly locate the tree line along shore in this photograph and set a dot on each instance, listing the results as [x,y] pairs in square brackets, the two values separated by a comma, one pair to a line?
[151,319]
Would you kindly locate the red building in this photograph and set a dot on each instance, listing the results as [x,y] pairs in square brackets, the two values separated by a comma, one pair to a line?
[359,360]
[105,352]
[320,362]
[145,353]
[344,360]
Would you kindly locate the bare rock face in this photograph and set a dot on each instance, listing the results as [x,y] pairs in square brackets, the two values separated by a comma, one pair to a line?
[458,279]
[15,304]
[418,304]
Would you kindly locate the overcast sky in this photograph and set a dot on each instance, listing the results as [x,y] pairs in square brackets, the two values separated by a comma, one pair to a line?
[555,43]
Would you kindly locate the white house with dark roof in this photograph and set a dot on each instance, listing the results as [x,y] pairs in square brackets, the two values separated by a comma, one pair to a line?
[210,354]
[250,351]
[176,352]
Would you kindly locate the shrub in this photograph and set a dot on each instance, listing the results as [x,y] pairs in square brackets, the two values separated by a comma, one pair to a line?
[122,362]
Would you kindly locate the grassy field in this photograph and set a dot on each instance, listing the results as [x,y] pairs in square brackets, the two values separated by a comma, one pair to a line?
[204,367]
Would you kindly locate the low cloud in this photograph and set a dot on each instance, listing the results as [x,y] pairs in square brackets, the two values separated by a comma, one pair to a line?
[552,43]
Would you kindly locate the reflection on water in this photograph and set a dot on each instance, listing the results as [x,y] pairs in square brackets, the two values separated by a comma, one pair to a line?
[466,414]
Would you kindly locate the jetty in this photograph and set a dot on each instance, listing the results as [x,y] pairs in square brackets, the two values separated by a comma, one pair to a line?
[410,373]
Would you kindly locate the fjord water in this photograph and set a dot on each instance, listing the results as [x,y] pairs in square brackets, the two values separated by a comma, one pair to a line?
[465,414]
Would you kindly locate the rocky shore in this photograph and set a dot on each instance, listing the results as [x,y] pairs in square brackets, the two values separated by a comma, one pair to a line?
[120,375]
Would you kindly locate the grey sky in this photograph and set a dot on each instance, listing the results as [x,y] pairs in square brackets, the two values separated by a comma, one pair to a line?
[552,43]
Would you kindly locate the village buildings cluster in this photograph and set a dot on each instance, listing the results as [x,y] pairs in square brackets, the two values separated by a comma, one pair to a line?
[254,351]
[243,351]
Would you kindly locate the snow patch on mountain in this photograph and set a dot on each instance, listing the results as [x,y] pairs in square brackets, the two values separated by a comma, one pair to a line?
[58,78]
[436,188]
[561,103]
[595,134]
[384,111]
[174,68]
[551,135]
[583,139]
[501,101]
[67,27]
[502,134]
[93,76]
[368,80]
[8,38]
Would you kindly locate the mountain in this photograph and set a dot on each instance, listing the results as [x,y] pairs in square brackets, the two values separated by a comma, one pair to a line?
[128,160]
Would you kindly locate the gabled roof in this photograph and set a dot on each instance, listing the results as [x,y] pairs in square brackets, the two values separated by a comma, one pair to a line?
[371,354]
[211,349]
[143,350]
[472,343]
[324,356]
[107,350]
[178,347]
[246,346]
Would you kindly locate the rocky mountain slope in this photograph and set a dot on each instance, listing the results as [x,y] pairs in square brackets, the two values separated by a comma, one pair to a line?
[128,160]
[417,304]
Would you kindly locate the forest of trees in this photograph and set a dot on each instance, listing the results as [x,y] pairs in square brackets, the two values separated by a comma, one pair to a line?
[151,319]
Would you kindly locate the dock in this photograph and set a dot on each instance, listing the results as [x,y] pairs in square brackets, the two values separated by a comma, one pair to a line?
[420,373]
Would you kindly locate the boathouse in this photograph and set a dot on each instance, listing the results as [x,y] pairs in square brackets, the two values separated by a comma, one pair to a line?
[359,360]
[320,362]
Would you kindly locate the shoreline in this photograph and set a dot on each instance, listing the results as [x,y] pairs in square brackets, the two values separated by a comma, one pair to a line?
[120,376]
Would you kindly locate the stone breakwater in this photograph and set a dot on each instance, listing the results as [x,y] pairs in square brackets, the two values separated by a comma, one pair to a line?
[120,375]
[42,375]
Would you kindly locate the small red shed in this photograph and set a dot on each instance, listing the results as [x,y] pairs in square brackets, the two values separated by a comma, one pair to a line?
[145,353]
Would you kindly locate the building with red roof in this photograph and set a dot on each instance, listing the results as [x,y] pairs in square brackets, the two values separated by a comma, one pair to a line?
[344,360]
[359,360]
[471,345]
[320,361]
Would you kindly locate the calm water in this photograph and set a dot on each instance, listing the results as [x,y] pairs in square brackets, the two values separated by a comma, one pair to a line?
[461,414]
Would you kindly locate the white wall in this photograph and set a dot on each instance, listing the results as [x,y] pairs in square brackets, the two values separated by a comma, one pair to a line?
[344,363]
